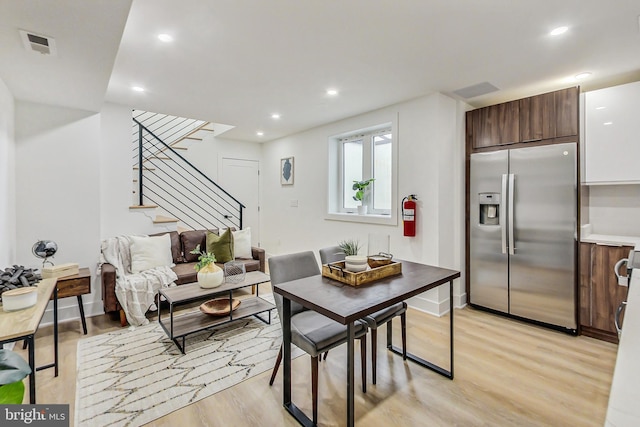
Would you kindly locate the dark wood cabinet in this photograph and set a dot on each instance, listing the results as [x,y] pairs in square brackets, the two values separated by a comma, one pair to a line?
[600,294]
[496,125]
[537,118]
[566,101]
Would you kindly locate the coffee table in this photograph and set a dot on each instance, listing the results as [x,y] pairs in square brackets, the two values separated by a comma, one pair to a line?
[192,321]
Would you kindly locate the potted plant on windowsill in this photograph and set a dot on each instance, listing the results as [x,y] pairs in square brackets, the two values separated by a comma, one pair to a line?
[209,274]
[352,261]
[360,187]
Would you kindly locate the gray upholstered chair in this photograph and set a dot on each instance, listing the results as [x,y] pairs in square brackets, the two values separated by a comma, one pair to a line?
[311,331]
[334,254]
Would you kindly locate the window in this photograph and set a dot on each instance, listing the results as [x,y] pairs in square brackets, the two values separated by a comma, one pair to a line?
[360,156]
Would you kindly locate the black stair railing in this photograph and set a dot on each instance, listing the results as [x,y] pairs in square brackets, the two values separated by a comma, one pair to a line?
[168,180]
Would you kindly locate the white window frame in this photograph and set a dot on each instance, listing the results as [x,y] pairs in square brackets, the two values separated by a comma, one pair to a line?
[335,210]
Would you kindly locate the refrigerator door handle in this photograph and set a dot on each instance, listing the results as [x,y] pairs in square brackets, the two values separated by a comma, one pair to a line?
[503,216]
[511,218]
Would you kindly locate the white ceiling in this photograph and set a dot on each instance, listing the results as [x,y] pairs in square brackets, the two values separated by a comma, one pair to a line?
[237,62]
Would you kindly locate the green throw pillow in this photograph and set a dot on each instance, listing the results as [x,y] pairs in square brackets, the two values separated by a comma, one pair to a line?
[221,246]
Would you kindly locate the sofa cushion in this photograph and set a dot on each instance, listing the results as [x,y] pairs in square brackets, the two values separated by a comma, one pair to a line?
[189,240]
[242,243]
[221,246]
[176,248]
[249,264]
[186,273]
[150,252]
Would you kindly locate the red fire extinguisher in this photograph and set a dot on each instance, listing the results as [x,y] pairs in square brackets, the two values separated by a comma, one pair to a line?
[409,208]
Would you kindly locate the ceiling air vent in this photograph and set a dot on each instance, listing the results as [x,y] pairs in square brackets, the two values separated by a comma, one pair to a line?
[38,43]
[475,90]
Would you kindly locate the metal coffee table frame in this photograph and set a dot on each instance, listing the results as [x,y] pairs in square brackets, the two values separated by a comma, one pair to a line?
[183,324]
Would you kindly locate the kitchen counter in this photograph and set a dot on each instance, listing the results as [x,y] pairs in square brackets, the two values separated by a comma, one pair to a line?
[607,239]
[623,407]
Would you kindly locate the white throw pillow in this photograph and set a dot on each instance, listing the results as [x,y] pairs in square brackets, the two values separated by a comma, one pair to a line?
[150,252]
[242,243]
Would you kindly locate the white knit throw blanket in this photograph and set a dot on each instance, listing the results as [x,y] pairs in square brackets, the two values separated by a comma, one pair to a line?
[136,292]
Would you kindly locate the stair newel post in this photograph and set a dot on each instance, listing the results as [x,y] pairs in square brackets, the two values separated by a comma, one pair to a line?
[241,215]
[140,203]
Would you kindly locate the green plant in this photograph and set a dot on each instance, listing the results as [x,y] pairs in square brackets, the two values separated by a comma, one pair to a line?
[349,247]
[360,187]
[205,258]
[13,369]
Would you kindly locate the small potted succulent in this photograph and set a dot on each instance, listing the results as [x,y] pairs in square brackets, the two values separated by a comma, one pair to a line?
[360,187]
[209,274]
[352,261]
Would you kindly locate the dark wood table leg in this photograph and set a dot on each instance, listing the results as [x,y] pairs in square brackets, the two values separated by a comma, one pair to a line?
[84,321]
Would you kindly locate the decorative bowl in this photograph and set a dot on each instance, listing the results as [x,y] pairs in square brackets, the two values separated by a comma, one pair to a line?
[219,306]
[379,260]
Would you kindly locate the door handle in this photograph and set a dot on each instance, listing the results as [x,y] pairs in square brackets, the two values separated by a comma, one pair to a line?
[512,248]
[503,216]
[617,317]
[622,280]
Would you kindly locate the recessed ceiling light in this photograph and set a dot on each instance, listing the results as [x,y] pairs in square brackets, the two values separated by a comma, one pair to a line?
[582,75]
[332,92]
[275,116]
[260,133]
[137,89]
[600,108]
[607,123]
[165,38]
[558,31]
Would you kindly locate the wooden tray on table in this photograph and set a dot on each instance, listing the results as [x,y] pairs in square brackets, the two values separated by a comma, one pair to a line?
[336,271]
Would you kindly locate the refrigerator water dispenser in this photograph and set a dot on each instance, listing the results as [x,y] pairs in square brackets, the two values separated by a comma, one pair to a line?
[489,208]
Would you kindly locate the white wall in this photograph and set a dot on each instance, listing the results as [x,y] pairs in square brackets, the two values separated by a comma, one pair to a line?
[431,165]
[7,173]
[57,188]
[615,209]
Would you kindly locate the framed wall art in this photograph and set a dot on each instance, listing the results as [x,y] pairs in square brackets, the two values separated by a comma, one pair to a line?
[286,171]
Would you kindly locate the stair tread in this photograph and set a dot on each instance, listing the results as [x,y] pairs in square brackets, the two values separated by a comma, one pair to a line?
[193,137]
[175,147]
[144,168]
[164,219]
[143,207]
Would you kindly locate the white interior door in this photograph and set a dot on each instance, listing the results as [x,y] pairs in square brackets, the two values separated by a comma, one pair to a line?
[241,179]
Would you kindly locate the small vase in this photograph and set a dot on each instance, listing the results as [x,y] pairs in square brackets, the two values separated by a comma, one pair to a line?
[355,263]
[210,276]
[362,209]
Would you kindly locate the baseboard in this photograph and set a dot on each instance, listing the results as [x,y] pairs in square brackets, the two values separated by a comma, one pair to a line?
[460,301]
[71,312]
[437,308]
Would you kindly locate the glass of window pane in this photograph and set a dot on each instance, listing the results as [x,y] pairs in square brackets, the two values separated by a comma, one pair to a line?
[382,172]
[352,171]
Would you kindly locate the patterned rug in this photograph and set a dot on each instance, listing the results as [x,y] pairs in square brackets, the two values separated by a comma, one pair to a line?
[131,377]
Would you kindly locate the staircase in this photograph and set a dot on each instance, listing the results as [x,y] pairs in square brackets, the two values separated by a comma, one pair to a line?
[167,183]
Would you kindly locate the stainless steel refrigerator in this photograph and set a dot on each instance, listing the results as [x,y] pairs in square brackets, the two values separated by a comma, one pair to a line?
[523,227]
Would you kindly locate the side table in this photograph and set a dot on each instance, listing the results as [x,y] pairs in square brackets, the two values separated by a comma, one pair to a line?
[76,286]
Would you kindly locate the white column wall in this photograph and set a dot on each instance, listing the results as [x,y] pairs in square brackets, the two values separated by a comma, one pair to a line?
[57,189]
[431,159]
[7,175]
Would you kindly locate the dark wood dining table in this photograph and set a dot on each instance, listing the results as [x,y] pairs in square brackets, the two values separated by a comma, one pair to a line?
[346,304]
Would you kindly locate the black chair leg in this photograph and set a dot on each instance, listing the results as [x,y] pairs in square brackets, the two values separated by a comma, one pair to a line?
[363,361]
[276,366]
[314,388]
[403,323]
[374,348]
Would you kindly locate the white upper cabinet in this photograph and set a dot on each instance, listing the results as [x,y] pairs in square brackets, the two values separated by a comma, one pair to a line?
[612,135]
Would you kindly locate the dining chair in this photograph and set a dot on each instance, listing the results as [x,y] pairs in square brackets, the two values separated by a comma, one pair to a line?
[310,330]
[374,320]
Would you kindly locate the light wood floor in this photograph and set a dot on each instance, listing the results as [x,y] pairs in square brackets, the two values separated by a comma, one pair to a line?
[507,373]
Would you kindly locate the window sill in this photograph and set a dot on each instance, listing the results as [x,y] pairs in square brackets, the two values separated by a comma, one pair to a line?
[366,219]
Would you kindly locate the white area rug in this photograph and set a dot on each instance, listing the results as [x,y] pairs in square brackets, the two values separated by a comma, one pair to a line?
[131,377]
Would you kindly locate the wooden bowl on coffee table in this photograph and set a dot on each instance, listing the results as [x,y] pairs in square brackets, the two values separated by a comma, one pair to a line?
[219,306]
